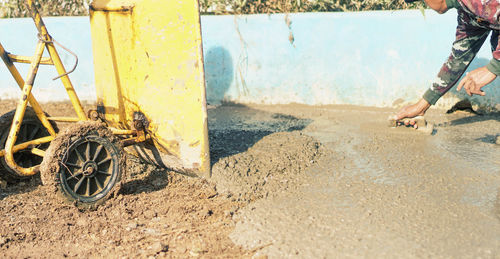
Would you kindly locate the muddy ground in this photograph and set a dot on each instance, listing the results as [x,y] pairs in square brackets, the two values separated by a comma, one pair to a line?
[288,181]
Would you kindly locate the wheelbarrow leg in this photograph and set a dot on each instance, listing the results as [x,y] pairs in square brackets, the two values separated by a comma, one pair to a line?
[20,81]
[44,36]
[20,110]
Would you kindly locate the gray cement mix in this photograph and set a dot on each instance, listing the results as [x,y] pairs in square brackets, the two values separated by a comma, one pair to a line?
[380,192]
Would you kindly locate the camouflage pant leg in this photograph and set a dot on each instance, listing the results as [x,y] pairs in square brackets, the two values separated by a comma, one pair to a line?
[470,36]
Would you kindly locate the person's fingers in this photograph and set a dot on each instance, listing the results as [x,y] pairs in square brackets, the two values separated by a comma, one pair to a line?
[478,92]
[400,116]
[468,86]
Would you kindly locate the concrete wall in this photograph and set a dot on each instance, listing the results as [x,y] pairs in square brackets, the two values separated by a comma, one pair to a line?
[364,58]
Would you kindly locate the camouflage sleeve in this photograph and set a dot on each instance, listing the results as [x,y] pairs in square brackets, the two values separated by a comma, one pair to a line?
[468,41]
[452,4]
[494,65]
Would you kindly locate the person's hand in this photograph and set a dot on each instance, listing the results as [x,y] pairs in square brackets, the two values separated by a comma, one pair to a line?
[475,80]
[408,113]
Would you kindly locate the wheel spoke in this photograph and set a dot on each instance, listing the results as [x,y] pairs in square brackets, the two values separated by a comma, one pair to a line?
[73,165]
[87,151]
[97,152]
[78,184]
[87,192]
[98,183]
[29,162]
[33,133]
[105,173]
[104,161]
[80,157]
[24,132]
[19,157]
[80,172]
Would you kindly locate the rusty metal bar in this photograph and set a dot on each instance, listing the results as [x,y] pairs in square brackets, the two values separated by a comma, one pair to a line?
[64,119]
[38,152]
[134,140]
[120,9]
[27,60]
[27,144]
[116,131]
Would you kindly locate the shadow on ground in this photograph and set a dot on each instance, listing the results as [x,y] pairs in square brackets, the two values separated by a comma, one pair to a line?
[476,118]
[234,128]
[489,138]
[146,181]
[20,187]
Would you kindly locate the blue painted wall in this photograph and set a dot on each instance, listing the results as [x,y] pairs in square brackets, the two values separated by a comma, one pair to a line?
[363,58]
[19,36]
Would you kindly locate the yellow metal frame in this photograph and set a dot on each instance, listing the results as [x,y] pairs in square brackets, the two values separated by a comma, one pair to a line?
[148,64]
[186,142]
[45,42]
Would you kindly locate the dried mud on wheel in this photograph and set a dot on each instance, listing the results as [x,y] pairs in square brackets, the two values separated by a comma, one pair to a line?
[73,162]
[31,128]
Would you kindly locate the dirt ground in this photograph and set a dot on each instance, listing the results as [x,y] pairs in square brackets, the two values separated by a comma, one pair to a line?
[288,181]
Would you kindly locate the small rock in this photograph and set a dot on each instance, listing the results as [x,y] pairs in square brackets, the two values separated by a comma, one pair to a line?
[152,231]
[159,247]
[149,214]
[81,222]
[131,226]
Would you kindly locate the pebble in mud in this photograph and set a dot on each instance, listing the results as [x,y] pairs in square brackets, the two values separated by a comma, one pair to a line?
[159,247]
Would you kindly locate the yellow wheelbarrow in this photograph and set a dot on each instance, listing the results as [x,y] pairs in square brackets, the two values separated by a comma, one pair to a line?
[151,101]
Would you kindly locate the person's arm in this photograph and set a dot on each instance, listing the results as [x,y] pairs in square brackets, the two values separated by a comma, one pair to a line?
[480,77]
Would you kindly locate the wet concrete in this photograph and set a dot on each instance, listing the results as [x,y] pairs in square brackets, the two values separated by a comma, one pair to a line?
[288,181]
[382,192]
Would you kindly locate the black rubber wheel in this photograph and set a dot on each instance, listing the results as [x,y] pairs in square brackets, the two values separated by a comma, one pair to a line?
[85,163]
[31,128]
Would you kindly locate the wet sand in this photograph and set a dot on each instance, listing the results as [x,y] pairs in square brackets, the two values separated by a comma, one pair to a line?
[288,181]
[382,192]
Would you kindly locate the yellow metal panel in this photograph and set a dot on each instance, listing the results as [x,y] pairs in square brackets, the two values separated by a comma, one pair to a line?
[148,60]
